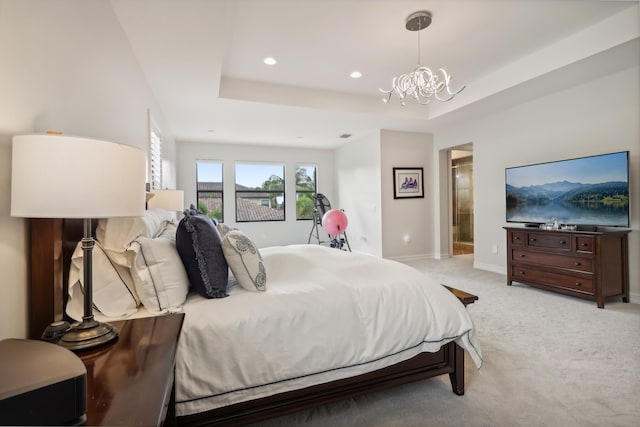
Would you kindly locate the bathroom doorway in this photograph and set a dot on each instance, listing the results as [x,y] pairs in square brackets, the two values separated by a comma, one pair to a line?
[462,199]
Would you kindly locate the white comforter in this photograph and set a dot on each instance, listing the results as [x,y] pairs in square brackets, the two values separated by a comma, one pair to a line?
[326,315]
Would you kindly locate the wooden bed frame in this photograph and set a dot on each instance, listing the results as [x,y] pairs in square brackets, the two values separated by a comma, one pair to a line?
[52,244]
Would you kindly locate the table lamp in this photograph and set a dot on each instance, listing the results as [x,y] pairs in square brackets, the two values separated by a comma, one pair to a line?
[59,176]
[169,200]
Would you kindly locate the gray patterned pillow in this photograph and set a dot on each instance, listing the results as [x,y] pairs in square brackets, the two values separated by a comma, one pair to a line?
[245,261]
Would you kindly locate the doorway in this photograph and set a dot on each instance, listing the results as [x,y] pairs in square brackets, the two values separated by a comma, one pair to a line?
[462,199]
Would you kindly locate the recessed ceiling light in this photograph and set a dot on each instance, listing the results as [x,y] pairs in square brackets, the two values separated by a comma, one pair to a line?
[269,60]
[355,74]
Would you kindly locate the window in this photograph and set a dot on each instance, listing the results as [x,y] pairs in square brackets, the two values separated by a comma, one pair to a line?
[209,189]
[305,191]
[259,192]
[155,157]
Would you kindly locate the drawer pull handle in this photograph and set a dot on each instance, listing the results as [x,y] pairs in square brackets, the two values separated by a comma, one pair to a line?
[522,255]
[578,264]
[584,244]
[522,273]
[563,242]
[578,284]
[533,239]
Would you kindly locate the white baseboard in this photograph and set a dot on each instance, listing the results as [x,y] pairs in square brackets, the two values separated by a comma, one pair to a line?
[418,257]
[490,267]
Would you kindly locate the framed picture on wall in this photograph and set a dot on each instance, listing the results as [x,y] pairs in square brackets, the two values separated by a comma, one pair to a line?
[408,183]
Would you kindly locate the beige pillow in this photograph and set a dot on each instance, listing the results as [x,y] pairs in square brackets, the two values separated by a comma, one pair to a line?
[161,280]
[245,261]
[116,234]
[111,295]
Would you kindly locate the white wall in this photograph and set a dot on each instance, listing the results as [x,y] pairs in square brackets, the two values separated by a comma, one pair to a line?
[66,66]
[599,117]
[358,178]
[407,217]
[270,233]
[373,214]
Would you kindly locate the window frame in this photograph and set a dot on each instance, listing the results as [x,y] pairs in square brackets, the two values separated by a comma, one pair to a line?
[221,191]
[313,192]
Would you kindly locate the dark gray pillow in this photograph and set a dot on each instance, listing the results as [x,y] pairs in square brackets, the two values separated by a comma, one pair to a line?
[200,247]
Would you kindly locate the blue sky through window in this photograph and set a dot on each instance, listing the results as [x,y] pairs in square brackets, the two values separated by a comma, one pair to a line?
[247,174]
[209,172]
[254,175]
[587,170]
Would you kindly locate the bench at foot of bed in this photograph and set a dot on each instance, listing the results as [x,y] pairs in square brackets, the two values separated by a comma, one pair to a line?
[465,297]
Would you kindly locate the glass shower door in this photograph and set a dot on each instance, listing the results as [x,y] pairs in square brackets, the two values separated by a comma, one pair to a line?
[462,174]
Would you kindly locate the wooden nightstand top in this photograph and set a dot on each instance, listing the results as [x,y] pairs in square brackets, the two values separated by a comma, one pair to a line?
[130,382]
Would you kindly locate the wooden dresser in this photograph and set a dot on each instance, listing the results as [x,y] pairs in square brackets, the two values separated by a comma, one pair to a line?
[592,265]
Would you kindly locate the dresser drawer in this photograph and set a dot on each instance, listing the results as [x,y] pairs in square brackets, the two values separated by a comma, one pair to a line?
[553,260]
[518,238]
[554,240]
[526,274]
[585,244]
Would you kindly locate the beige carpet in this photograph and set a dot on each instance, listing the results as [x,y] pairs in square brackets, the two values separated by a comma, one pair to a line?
[549,360]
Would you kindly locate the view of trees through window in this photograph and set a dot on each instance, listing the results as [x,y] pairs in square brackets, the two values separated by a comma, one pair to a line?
[305,191]
[259,192]
[209,191]
[259,188]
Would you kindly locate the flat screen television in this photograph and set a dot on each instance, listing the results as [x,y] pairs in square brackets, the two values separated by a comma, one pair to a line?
[587,191]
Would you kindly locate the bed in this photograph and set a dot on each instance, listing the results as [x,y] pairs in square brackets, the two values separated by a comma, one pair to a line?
[246,395]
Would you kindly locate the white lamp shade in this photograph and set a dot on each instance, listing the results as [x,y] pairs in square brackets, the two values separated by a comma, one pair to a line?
[170,200]
[58,176]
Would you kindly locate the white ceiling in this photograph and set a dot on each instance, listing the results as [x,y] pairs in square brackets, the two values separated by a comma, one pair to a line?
[203,60]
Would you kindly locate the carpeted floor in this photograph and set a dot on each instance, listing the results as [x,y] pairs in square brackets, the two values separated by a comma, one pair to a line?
[549,360]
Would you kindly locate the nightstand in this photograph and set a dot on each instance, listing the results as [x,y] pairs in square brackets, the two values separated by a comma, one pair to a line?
[130,383]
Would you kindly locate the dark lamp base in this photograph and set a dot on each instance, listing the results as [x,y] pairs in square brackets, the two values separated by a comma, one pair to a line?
[88,335]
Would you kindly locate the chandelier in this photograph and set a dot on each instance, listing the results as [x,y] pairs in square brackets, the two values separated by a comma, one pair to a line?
[422,83]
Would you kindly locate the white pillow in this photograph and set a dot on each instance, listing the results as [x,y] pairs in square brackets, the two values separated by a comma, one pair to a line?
[111,295]
[223,228]
[168,231]
[244,260]
[116,234]
[159,275]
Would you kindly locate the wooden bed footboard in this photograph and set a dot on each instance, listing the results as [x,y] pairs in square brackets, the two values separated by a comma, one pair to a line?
[52,242]
[448,360]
